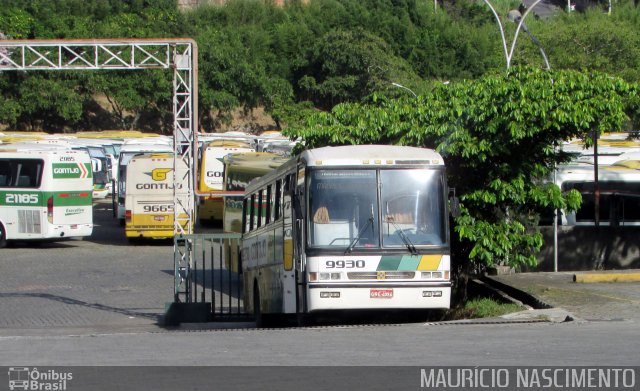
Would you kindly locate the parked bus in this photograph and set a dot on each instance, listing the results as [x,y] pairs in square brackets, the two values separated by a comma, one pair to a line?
[239,170]
[45,193]
[128,150]
[211,176]
[149,199]
[618,190]
[348,228]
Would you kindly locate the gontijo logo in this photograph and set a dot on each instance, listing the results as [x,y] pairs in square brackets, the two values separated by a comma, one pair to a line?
[159,174]
[71,170]
[50,379]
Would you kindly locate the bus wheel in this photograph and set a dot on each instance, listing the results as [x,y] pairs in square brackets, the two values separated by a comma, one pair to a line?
[3,237]
[257,311]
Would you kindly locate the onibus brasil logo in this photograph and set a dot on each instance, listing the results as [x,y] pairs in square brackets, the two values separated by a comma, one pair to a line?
[23,378]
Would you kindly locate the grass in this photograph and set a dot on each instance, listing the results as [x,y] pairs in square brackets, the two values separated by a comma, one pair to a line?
[482,308]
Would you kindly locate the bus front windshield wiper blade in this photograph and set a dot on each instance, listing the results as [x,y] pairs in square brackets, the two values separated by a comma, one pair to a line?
[407,242]
[360,233]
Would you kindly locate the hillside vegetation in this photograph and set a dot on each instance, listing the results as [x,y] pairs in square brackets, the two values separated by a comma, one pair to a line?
[291,59]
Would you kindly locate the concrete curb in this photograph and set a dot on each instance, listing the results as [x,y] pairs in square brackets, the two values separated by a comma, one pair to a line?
[621,276]
[520,295]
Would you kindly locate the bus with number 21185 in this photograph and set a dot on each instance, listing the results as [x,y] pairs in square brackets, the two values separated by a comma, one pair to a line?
[45,193]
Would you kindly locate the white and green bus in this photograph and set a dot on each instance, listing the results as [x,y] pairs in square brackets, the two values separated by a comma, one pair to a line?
[45,193]
[348,228]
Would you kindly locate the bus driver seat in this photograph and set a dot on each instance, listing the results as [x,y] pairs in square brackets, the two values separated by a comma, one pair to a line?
[331,232]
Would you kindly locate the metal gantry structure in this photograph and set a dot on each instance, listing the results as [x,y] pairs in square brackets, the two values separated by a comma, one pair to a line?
[178,54]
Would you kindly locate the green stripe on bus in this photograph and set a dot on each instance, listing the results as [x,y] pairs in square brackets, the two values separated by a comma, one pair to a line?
[390,262]
[72,198]
[399,262]
[409,263]
[71,170]
[21,198]
[38,198]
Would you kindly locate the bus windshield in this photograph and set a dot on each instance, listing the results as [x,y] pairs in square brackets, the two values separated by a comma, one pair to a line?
[391,208]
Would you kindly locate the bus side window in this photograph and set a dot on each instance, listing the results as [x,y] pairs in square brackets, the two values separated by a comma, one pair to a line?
[269,202]
[260,208]
[252,213]
[245,216]
[5,173]
[277,206]
[287,183]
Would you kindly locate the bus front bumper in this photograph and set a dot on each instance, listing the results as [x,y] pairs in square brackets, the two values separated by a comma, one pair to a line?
[378,296]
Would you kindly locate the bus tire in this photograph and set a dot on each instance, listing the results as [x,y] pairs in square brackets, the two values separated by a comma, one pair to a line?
[3,237]
[257,311]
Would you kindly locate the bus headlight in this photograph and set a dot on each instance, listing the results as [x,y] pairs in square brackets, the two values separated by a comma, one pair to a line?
[329,276]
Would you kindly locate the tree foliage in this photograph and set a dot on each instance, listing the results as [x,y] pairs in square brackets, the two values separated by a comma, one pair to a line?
[255,54]
[497,135]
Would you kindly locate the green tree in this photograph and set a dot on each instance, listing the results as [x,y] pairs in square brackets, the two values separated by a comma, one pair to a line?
[497,135]
[348,66]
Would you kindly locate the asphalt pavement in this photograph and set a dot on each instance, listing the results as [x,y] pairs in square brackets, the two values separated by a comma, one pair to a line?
[613,295]
[103,284]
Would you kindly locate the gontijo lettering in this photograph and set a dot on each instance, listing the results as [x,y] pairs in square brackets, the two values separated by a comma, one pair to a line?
[66,170]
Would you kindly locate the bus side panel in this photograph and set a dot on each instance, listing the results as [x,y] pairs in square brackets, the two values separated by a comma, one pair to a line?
[22,214]
[258,253]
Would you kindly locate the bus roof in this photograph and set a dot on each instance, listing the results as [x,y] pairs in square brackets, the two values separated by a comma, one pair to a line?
[153,155]
[229,143]
[254,161]
[26,146]
[15,150]
[146,148]
[358,155]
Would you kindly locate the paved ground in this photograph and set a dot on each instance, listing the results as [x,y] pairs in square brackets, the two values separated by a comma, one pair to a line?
[100,283]
[587,301]
[104,285]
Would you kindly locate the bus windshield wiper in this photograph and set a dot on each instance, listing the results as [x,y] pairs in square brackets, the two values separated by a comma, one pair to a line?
[362,231]
[404,237]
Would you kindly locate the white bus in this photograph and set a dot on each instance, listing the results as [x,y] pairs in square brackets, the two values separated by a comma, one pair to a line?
[150,195]
[211,176]
[128,150]
[44,193]
[348,228]
[239,170]
[618,189]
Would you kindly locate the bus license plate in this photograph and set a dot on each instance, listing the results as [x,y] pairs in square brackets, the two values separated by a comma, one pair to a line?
[158,218]
[381,293]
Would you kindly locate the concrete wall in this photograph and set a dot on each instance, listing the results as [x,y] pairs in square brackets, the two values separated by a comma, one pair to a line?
[588,248]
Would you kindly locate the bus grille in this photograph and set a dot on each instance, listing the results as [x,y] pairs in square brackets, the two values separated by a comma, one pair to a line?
[392,275]
[29,222]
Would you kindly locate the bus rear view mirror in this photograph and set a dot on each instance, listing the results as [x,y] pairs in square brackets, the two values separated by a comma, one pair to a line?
[454,203]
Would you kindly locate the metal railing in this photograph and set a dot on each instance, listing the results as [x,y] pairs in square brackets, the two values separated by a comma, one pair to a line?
[212,274]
